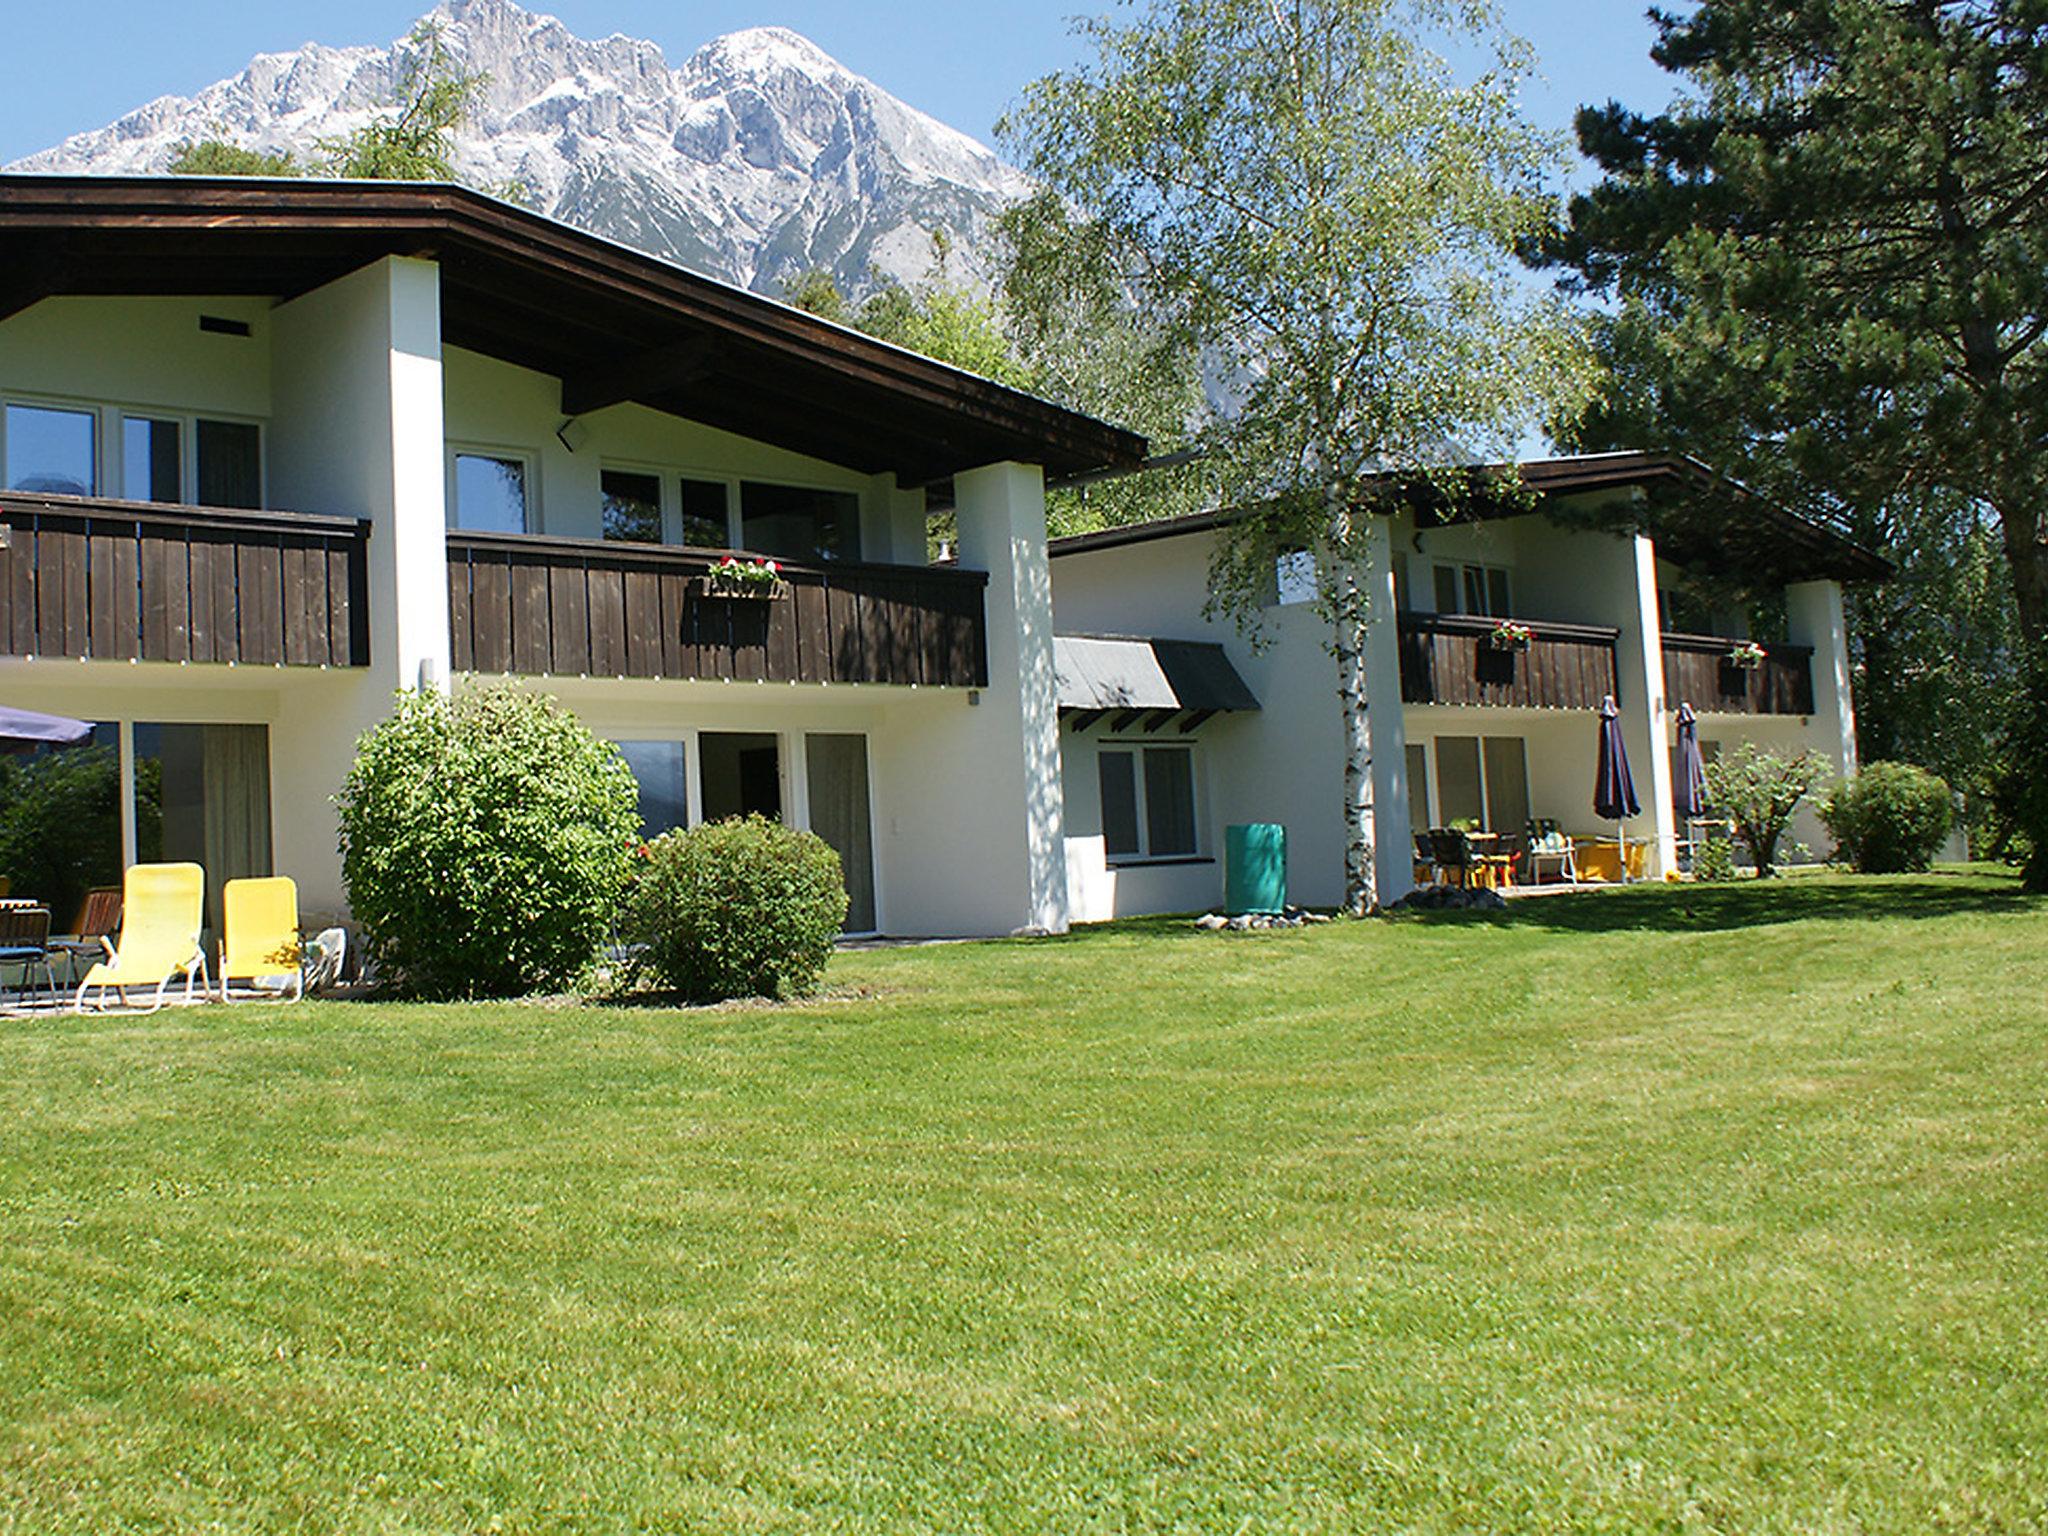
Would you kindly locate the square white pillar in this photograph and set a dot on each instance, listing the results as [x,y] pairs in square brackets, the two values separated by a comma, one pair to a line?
[1645,712]
[1393,842]
[1814,616]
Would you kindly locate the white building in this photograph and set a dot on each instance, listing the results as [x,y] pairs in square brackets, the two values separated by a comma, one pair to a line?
[1608,573]
[270,451]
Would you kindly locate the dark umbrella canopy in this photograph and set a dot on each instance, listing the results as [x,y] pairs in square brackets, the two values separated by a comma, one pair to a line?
[1689,798]
[1614,791]
[21,729]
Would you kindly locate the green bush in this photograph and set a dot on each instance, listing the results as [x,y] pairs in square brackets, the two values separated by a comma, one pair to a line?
[1890,818]
[485,841]
[741,908]
[1714,860]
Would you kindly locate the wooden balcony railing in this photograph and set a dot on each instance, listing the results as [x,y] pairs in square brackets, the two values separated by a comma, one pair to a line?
[1446,658]
[141,581]
[568,607]
[1697,671]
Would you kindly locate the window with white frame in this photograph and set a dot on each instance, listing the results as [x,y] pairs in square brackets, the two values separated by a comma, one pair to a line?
[490,492]
[791,522]
[52,448]
[1471,588]
[1148,801]
[1294,577]
[136,453]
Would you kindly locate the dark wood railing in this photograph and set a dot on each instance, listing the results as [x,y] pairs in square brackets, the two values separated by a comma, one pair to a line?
[1447,658]
[1697,671]
[142,581]
[568,607]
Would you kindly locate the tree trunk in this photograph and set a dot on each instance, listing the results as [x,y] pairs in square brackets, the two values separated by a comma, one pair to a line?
[1349,602]
[2026,550]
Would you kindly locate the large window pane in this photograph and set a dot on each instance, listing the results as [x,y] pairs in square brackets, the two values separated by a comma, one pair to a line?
[1169,801]
[1507,784]
[490,494]
[230,461]
[1118,773]
[60,823]
[632,506]
[1497,592]
[1446,587]
[740,774]
[152,465]
[202,796]
[793,523]
[1418,787]
[836,770]
[703,506]
[50,449]
[659,769]
[1457,781]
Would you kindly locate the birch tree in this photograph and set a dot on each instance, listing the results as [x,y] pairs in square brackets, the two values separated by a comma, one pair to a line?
[1316,191]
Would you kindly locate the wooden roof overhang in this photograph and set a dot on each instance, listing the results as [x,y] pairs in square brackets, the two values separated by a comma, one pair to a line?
[1701,520]
[612,323]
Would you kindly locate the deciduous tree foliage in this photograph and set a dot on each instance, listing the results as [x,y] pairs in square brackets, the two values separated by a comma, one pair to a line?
[1837,246]
[1314,191]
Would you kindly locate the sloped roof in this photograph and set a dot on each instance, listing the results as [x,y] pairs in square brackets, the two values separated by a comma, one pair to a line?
[1127,672]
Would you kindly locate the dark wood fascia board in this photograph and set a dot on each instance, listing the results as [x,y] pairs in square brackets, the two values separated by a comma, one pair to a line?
[414,218]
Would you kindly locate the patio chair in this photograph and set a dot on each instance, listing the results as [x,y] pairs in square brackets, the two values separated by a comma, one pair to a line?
[91,937]
[1452,856]
[1547,844]
[162,907]
[260,938]
[25,941]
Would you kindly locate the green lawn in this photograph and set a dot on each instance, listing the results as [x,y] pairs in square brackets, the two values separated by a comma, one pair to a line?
[1686,1210]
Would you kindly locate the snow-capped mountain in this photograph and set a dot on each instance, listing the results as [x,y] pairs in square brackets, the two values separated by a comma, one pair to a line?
[757,158]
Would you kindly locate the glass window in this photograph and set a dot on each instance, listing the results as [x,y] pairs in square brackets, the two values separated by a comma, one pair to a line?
[1507,784]
[152,462]
[703,504]
[1117,771]
[1446,589]
[490,494]
[659,768]
[836,769]
[1294,577]
[1458,795]
[794,523]
[50,449]
[202,795]
[1169,801]
[1418,787]
[60,823]
[230,460]
[632,506]
[1497,592]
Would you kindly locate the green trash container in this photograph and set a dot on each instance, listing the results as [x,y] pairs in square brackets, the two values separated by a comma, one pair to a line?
[1254,868]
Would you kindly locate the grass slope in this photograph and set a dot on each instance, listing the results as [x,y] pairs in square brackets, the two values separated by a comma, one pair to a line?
[1656,1210]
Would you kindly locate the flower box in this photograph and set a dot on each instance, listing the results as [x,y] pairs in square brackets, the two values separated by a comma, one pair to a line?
[1508,635]
[754,580]
[1748,656]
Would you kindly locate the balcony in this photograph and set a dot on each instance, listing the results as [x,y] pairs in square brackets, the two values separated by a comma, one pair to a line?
[573,607]
[1697,671]
[94,579]
[1447,658]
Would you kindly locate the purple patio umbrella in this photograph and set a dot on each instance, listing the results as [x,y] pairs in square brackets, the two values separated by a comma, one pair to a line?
[23,730]
[1614,791]
[1689,798]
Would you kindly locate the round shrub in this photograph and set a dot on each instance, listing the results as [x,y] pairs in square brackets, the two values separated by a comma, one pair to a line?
[740,908]
[485,841]
[1890,818]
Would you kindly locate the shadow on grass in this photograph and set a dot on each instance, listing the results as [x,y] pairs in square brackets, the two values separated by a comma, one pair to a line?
[1757,903]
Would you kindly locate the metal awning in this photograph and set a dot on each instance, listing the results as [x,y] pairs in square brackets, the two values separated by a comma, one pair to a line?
[1144,682]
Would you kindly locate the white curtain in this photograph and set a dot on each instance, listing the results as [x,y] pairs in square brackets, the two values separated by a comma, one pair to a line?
[836,767]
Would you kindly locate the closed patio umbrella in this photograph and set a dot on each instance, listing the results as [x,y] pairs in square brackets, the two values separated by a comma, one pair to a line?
[1614,791]
[22,730]
[1689,799]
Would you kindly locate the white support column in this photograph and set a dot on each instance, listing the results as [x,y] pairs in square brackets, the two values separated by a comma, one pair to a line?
[1813,612]
[1393,844]
[1646,713]
[357,429]
[976,821]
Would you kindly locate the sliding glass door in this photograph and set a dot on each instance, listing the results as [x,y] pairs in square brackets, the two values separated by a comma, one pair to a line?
[836,775]
[202,796]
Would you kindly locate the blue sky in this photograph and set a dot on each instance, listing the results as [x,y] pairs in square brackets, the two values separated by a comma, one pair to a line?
[962,61]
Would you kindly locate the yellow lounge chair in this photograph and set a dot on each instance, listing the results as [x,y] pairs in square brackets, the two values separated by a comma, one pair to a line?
[162,907]
[260,936]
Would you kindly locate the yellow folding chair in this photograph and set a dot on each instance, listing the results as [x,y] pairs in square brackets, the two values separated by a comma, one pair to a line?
[260,937]
[162,908]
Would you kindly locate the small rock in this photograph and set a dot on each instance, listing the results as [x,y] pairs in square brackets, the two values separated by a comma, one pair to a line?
[1211,921]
